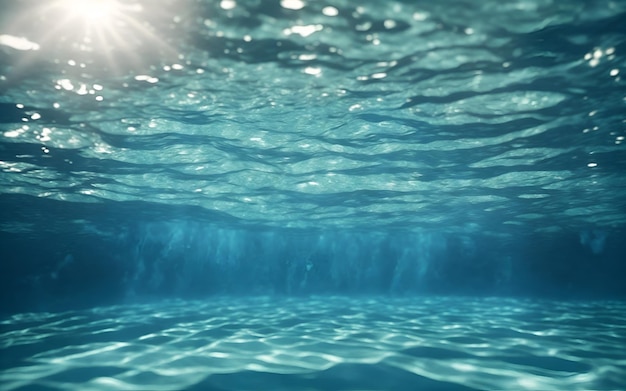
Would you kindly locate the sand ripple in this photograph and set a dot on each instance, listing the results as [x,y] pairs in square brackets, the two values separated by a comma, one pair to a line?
[320,343]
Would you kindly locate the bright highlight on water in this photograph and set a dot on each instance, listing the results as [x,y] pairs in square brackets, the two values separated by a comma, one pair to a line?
[304,195]
[323,343]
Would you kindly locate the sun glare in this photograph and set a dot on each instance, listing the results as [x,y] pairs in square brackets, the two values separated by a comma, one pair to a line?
[93,11]
[108,36]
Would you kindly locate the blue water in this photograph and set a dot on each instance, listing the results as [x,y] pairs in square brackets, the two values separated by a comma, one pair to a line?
[322,343]
[307,195]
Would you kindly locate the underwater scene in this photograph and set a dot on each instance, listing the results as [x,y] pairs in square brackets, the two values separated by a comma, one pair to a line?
[312,195]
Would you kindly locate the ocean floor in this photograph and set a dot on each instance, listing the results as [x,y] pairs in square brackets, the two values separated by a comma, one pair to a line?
[320,343]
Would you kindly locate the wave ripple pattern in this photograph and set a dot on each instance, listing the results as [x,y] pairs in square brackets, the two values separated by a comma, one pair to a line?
[309,114]
[304,344]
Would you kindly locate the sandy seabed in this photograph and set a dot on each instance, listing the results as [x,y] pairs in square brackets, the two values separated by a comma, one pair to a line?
[320,343]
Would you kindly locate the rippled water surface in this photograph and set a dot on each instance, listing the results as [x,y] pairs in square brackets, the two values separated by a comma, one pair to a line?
[324,343]
[196,149]
[450,115]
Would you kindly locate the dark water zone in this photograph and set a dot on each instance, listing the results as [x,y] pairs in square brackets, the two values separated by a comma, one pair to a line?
[376,195]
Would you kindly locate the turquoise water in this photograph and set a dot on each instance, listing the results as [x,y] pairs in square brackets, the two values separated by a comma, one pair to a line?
[490,118]
[311,195]
[321,343]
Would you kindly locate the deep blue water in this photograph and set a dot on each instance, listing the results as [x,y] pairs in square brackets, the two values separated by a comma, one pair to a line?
[311,195]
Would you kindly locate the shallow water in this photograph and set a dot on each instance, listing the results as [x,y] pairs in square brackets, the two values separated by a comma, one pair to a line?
[504,118]
[250,154]
[321,343]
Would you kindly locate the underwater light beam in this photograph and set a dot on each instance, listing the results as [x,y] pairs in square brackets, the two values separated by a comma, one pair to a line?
[112,32]
[94,11]
[99,17]
[93,37]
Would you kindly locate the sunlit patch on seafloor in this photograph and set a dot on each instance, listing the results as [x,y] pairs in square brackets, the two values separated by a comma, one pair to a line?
[304,343]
